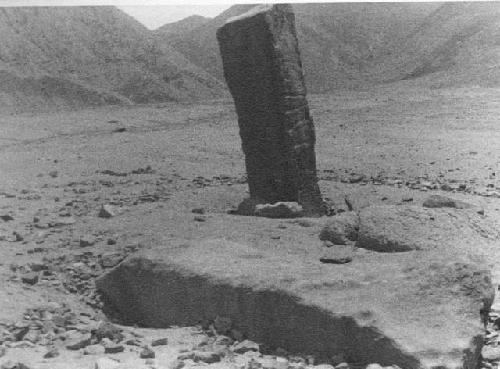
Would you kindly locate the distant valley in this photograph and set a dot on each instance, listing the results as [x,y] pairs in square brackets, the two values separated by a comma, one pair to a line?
[74,57]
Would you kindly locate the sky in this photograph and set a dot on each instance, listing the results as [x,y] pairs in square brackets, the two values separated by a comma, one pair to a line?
[154,16]
[155,13]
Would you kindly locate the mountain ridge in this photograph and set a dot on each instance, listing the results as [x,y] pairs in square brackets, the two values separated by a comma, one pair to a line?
[355,45]
[56,54]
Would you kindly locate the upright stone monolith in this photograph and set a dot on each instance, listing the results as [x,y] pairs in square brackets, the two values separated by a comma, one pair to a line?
[263,70]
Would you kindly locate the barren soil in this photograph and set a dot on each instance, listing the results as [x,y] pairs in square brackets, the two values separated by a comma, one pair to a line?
[154,164]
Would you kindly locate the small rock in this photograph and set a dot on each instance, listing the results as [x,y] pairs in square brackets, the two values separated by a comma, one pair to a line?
[38,267]
[109,331]
[133,342]
[438,201]
[341,229]
[3,351]
[177,364]
[356,178]
[106,363]
[53,173]
[76,340]
[223,341]
[200,218]
[206,357]
[198,211]
[111,259]
[245,346]
[30,278]
[446,187]
[374,366]
[6,218]
[106,211]
[147,353]
[279,210]
[32,336]
[64,221]
[337,254]
[53,352]
[342,366]
[407,199]
[18,236]
[111,241]
[111,347]
[93,350]
[87,240]
[491,353]
[159,342]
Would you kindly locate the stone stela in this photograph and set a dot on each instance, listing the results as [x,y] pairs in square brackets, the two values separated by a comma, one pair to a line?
[263,70]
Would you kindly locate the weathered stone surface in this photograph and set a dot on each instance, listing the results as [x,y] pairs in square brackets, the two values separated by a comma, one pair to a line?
[491,353]
[76,340]
[147,353]
[279,210]
[106,211]
[108,330]
[341,229]
[263,70]
[410,309]
[392,228]
[106,363]
[337,254]
[245,346]
[111,347]
[438,201]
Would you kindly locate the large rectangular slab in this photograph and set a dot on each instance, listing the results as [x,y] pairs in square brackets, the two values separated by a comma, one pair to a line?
[410,309]
[263,70]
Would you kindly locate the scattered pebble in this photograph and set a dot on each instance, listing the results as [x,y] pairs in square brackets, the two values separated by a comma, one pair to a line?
[147,353]
[159,342]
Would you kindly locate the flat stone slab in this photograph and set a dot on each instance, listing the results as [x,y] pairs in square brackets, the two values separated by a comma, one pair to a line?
[414,309]
[390,228]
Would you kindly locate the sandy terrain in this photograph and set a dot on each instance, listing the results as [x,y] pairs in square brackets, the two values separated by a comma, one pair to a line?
[155,164]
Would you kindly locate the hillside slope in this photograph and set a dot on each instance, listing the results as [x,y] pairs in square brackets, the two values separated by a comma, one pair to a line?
[79,56]
[183,26]
[338,41]
[458,44]
[350,45]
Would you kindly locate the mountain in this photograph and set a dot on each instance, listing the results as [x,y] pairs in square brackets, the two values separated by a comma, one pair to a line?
[199,45]
[337,40]
[181,27]
[73,57]
[351,45]
[458,44]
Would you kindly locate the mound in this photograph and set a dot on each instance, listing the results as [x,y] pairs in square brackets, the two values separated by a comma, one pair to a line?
[80,56]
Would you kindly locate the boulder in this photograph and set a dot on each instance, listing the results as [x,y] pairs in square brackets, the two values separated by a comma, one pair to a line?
[395,228]
[341,229]
[414,310]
